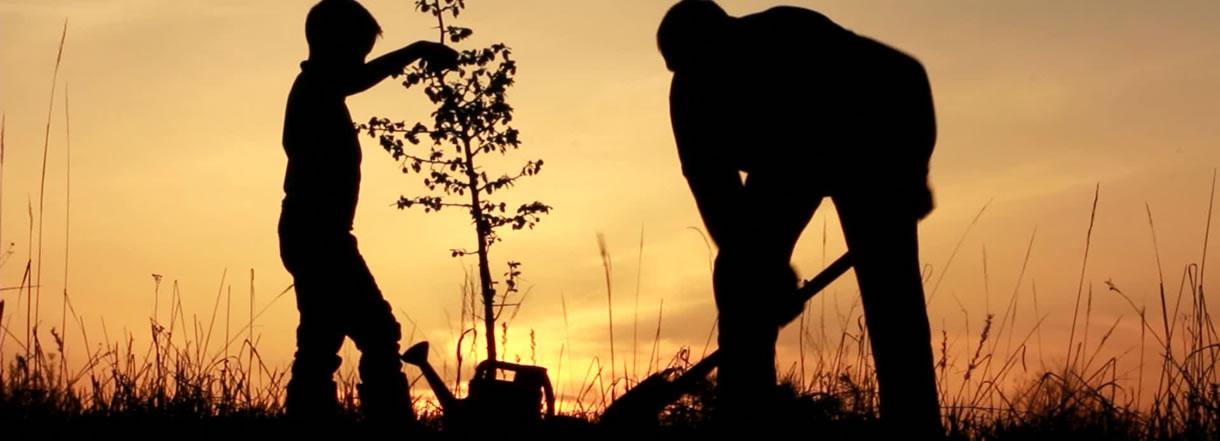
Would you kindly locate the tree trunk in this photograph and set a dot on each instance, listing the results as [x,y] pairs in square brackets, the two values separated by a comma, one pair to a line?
[484,232]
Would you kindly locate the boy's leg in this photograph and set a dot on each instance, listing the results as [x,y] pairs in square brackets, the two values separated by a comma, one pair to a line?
[371,325]
[750,284]
[311,391]
[883,240]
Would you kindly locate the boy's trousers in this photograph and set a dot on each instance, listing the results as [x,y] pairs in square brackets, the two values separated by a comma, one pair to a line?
[336,298]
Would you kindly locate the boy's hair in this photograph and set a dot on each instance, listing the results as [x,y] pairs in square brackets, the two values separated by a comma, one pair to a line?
[686,29]
[336,27]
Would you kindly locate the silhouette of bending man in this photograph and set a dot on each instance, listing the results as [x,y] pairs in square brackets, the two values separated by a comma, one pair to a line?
[336,295]
[806,109]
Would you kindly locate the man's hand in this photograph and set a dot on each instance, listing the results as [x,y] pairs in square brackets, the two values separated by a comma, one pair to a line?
[435,56]
[922,202]
[789,304]
[744,283]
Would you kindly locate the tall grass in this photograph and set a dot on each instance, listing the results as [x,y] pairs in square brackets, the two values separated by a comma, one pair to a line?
[608,269]
[42,189]
[174,377]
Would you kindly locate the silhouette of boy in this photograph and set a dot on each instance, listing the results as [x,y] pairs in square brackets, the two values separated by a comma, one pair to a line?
[807,110]
[336,295]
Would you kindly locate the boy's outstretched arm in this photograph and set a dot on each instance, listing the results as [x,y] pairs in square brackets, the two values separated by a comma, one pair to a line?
[438,57]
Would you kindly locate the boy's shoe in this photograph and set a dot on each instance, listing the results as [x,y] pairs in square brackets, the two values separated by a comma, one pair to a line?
[312,401]
[387,403]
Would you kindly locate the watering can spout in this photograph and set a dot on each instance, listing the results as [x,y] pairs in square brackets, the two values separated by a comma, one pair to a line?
[417,355]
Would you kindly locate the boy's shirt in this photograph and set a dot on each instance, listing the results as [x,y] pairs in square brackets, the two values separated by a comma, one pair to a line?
[322,182]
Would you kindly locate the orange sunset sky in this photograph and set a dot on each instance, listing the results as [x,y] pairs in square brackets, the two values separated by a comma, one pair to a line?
[176,168]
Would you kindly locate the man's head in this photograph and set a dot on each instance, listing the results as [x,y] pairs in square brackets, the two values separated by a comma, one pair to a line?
[689,34]
[340,31]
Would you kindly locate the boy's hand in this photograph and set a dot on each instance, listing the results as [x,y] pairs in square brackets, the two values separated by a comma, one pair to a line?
[436,57]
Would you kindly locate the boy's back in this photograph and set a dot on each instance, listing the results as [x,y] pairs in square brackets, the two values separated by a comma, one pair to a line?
[322,182]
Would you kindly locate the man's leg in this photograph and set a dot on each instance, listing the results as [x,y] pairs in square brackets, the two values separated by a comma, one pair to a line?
[752,283]
[883,240]
[746,376]
[371,325]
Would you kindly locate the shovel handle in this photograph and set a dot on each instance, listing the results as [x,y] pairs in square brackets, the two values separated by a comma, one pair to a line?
[819,282]
[806,292]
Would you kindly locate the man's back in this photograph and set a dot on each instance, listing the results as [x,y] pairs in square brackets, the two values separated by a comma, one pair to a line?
[798,90]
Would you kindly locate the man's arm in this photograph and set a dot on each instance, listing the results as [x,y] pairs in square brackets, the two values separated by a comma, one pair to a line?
[369,74]
[715,195]
[714,181]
